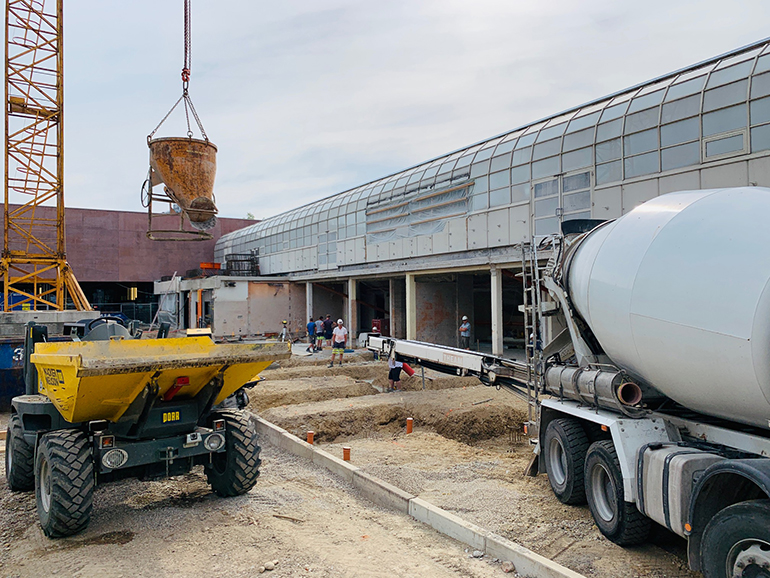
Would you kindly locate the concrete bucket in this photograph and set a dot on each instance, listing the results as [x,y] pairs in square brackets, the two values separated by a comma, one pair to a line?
[187,167]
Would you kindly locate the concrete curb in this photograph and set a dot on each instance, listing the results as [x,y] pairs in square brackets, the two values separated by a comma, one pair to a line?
[527,562]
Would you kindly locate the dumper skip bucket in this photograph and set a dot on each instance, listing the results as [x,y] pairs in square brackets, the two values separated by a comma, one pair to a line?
[187,167]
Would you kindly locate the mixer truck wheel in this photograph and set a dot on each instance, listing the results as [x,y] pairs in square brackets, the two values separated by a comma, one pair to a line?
[564,451]
[64,483]
[620,521]
[235,471]
[19,458]
[736,542]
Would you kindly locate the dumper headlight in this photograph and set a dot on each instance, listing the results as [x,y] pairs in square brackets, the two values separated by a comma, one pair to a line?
[115,458]
[214,442]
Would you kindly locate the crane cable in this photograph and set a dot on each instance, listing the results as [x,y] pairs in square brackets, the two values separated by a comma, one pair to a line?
[186,73]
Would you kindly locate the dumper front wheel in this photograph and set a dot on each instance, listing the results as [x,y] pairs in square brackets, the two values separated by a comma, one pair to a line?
[64,483]
[19,458]
[235,471]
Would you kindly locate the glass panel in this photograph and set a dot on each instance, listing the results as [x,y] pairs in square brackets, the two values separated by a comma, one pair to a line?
[760,138]
[726,75]
[430,172]
[760,111]
[501,179]
[547,226]
[725,95]
[609,130]
[760,85]
[681,108]
[521,155]
[547,149]
[479,202]
[583,122]
[724,120]
[546,207]
[724,145]
[641,142]
[520,174]
[501,162]
[686,88]
[641,120]
[576,182]
[479,169]
[679,132]
[573,216]
[646,101]
[483,155]
[416,177]
[576,159]
[681,156]
[578,139]
[520,193]
[463,162]
[608,151]
[500,197]
[763,64]
[505,147]
[480,185]
[577,202]
[545,167]
[642,165]
[547,188]
[551,131]
[614,111]
[526,140]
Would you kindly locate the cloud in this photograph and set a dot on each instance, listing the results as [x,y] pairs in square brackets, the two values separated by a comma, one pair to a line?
[306,99]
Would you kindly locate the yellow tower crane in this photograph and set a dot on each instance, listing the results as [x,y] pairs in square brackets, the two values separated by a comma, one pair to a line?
[34,269]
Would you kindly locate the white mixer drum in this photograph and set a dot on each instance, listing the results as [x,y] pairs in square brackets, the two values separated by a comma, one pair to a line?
[676,292]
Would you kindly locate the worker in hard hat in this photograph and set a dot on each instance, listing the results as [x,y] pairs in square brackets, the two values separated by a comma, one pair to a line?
[465,333]
[284,332]
[339,339]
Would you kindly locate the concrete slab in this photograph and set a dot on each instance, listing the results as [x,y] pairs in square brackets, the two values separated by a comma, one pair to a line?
[381,492]
[527,562]
[447,523]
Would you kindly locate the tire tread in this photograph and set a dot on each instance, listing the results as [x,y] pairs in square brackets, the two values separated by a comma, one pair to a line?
[241,456]
[21,476]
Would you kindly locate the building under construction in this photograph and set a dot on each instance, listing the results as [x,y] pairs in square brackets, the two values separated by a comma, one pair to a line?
[418,249]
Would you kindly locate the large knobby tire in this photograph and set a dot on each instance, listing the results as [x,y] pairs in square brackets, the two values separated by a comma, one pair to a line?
[564,452]
[64,483]
[620,521]
[19,458]
[736,542]
[235,471]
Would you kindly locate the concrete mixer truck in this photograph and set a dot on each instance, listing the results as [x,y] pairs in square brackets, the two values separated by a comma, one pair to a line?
[651,390]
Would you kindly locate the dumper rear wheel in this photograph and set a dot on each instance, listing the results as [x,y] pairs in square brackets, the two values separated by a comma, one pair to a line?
[19,458]
[64,483]
[235,471]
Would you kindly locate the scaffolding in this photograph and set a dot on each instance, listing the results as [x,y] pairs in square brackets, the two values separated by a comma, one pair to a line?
[34,267]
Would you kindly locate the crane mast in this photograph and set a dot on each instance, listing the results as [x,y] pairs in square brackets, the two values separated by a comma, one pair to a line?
[34,269]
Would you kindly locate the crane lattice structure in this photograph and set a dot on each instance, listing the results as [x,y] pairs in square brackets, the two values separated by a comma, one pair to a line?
[34,267]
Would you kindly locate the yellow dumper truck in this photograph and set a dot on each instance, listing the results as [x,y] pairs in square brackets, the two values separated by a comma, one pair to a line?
[106,406]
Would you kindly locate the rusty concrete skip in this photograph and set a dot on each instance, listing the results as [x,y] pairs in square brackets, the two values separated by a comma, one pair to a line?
[188,167]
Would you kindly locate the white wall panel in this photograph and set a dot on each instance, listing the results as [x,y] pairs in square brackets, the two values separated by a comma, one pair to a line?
[359,247]
[759,172]
[498,231]
[396,249]
[441,241]
[689,181]
[519,228]
[732,175]
[606,203]
[477,231]
[424,245]
[637,193]
[458,235]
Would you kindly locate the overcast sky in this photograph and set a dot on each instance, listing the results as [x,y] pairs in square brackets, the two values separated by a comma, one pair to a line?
[308,98]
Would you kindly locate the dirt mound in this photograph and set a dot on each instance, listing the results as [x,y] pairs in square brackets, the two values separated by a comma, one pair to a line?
[466,415]
[273,393]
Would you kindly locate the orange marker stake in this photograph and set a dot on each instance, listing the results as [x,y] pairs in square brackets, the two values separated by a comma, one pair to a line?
[346,454]
[409,423]
[310,435]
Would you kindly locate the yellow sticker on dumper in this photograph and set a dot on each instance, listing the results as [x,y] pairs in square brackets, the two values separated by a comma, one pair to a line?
[170,416]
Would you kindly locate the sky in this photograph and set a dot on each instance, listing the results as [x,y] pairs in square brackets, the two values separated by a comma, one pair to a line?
[305,99]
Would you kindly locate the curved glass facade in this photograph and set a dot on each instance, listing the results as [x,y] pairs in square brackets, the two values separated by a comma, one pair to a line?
[710,112]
